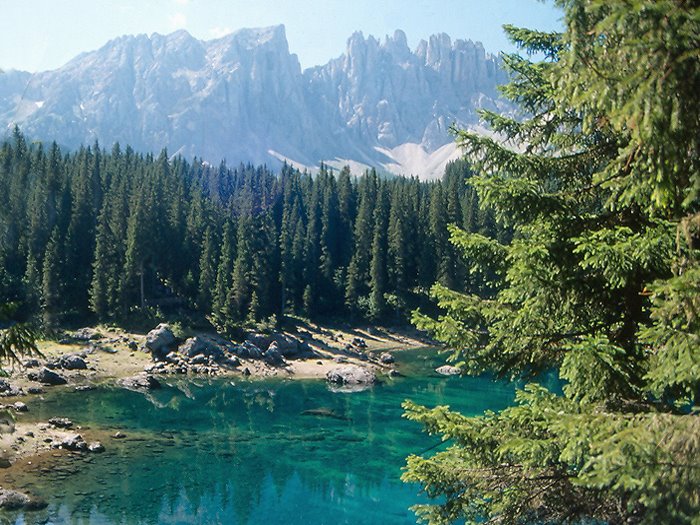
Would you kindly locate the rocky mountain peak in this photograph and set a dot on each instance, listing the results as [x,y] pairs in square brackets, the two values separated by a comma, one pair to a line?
[439,51]
[397,46]
[244,97]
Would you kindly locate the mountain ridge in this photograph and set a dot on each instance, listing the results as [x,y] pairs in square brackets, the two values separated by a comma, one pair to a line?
[244,97]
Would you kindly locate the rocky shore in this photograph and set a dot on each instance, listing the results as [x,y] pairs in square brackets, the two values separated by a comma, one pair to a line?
[347,359]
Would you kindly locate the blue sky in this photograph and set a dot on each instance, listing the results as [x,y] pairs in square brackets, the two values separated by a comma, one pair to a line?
[37,35]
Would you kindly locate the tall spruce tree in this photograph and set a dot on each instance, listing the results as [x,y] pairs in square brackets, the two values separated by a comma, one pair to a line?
[208,265]
[358,276]
[224,274]
[101,271]
[242,285]
[378,268]
[51,281]
[331,252]
[139,245]
[312,248]
[437,221]
[601,283]
[80,237]
[398,239]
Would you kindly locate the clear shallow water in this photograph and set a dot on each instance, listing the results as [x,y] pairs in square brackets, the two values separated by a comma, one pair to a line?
[245,453]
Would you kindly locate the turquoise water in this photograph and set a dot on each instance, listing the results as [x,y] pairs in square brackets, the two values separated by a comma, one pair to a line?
[244,452]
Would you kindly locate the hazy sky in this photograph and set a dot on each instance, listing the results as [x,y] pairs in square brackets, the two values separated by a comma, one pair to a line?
[36,35]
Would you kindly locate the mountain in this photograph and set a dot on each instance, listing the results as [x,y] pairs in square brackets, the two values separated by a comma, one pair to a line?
[244,97]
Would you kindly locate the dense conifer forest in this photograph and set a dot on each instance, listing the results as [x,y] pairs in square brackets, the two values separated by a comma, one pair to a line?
[104,235]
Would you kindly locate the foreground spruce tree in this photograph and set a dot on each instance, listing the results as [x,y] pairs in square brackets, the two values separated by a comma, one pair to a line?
[601,282]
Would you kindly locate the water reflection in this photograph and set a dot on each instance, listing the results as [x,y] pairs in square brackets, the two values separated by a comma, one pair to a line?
[245,453]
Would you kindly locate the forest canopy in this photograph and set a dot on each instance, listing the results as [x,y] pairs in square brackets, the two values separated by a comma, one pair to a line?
[112,235]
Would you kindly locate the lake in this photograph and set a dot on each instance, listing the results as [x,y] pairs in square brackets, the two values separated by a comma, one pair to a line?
[246,451]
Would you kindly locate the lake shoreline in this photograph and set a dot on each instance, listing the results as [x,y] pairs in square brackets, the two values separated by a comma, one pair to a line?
[118,355]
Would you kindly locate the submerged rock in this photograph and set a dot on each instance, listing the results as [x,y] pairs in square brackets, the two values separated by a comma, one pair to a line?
[325,412]
[96,446]
[13,500]
[47,377]
[351,375]
[448,370]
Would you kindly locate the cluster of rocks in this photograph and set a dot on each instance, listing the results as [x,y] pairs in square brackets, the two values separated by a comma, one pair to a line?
[9,390]
[72,442]
[208,355]
[48,374]
[68,361]
[356,348]
[85,335]
[356,344]
[92,336]
[76,443]
[273,349]
[199,354]
[385,360]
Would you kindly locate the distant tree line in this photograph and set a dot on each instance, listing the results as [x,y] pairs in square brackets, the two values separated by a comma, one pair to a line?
[107,234]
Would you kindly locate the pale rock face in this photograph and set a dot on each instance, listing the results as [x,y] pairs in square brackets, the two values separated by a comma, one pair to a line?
[244,98]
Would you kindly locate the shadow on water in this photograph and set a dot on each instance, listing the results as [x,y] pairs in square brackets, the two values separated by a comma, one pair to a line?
[247,452]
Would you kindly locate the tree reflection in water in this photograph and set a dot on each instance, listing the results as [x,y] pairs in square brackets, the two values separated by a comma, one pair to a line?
[245,453]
